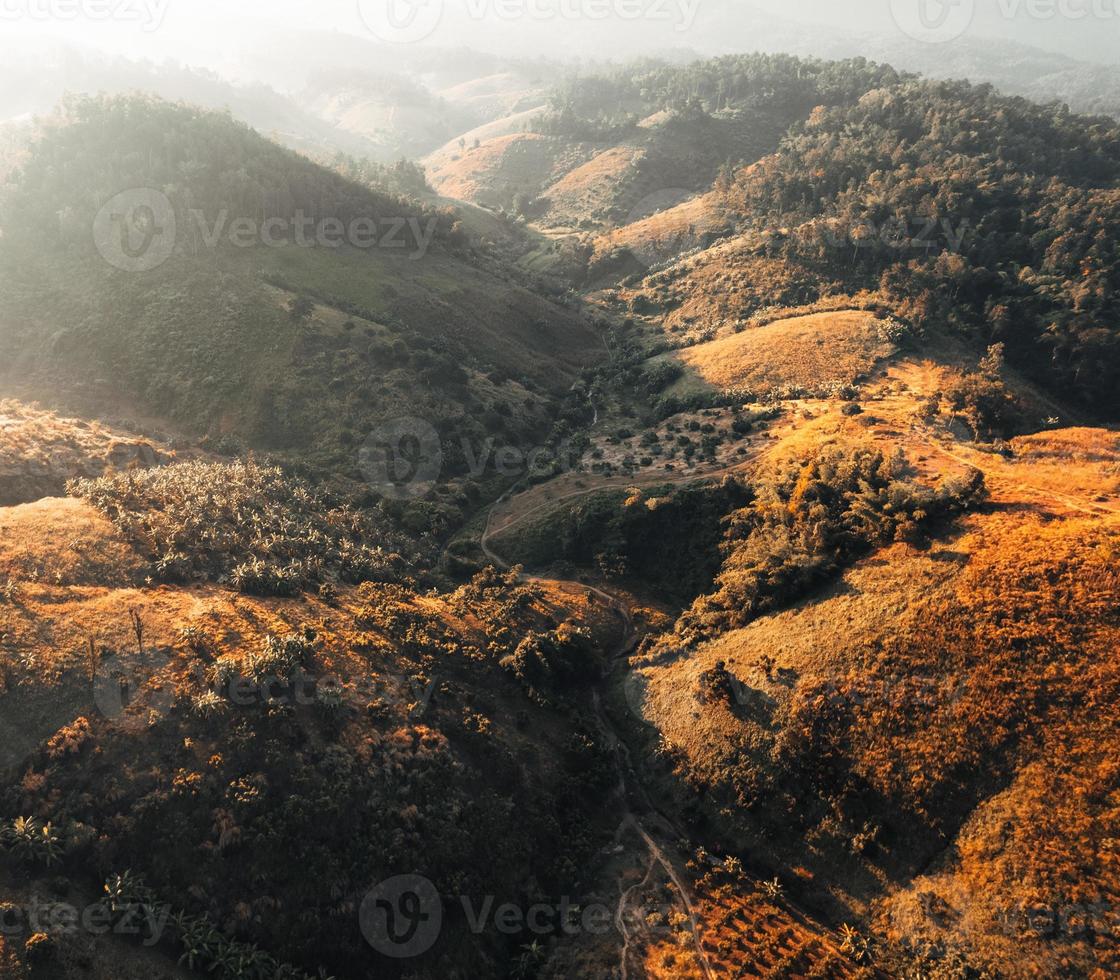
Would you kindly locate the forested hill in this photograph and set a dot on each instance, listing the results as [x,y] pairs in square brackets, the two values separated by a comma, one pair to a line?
[273,301]
[203,160]
[1020,203]
[960,206]
[781,85]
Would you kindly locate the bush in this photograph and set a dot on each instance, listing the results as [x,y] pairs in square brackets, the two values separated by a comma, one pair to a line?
[263,531]
[810,520]
[32,841]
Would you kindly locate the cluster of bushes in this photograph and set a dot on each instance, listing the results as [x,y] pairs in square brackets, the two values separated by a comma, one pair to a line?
[279,657]
[546,661]
[809,520]
[985,403]
[670,540]
[263,531]
[202,945]
[30,840]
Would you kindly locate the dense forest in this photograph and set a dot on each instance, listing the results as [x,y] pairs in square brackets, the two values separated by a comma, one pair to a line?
[614,101]
[993,214]
[966,208]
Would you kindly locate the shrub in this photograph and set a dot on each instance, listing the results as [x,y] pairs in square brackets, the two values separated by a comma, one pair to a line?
[810,520]
[32,841]
[261,530]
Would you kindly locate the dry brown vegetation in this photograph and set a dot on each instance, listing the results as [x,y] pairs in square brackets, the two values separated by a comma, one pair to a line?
[947,700]
[40,451]
[810,353]
[492,173]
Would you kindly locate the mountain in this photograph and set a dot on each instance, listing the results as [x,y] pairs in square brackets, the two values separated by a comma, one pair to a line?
[299,350]
[36,80]
[609,142]
[674,535]
[954,204]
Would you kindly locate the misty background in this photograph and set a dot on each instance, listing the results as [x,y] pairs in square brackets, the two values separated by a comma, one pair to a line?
[278,64]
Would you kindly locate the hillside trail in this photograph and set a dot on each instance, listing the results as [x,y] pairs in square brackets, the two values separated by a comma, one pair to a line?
[655,828]
[997,478]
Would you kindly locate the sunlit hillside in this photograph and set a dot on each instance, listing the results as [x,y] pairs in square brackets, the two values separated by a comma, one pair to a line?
[471,512]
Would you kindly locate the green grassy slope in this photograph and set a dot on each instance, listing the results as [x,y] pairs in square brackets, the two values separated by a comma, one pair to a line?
[207,339]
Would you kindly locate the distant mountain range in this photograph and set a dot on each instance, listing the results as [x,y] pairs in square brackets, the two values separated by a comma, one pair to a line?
[327,93]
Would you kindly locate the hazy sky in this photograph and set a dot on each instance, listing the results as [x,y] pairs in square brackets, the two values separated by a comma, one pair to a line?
[214,31]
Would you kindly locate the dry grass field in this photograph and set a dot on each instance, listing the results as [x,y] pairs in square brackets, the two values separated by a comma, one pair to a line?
[40,451]
[502,166]
[810,353]
[585,194]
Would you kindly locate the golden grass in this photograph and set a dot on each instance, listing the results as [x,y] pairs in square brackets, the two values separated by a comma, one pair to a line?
[1078,461]
[809,352]
[1006,626]
[40,451]
[501,167]
[63,541]
[609,167]
[729,283]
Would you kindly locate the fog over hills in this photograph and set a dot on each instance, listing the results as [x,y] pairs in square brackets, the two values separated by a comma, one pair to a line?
[263,73]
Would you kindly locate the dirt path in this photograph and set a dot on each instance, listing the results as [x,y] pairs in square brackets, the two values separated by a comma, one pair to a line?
[629,787]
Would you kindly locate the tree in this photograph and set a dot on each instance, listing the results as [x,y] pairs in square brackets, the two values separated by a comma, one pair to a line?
[300,309]
[991,365]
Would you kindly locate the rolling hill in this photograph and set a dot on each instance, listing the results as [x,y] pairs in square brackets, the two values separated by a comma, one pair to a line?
[300,350]
[806,370]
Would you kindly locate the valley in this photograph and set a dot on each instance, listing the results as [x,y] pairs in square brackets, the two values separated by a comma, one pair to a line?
[678,555]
